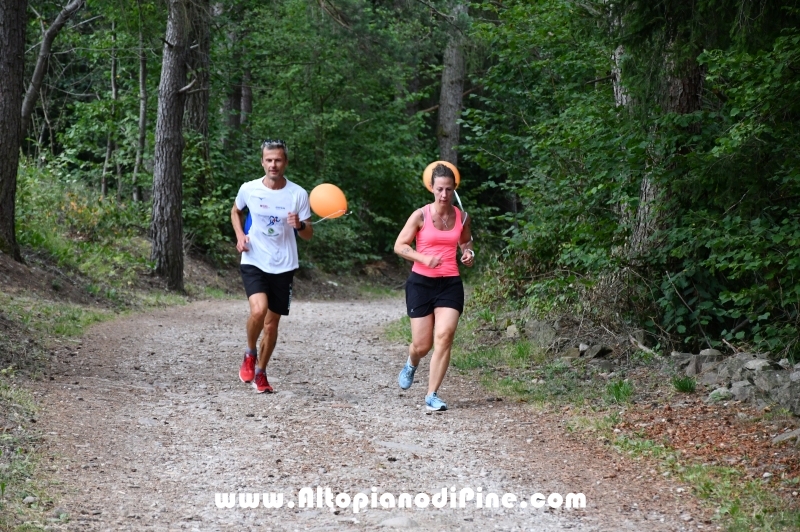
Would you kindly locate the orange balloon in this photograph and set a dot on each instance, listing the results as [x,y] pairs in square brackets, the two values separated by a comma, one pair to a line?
[426,175]
[328,201]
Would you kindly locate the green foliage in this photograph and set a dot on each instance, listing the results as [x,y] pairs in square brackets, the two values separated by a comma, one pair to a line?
[97,237]
[62,319]
[340,87]
[341,99]
[553,144]
[619,392]
[336,246]
[743,505]
[684,384]
[556,159]
[722,261]
[17,458]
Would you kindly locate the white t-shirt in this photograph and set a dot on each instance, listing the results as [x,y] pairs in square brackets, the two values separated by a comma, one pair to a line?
[273,247]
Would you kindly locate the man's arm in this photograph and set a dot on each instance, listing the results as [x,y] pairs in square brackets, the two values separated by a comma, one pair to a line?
[304,228]
[237,221]
[308,231]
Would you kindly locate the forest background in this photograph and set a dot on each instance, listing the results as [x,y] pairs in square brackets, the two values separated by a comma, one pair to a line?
[634,162]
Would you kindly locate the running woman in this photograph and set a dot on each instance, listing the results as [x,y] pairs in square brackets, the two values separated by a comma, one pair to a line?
[279,209]
[434,291]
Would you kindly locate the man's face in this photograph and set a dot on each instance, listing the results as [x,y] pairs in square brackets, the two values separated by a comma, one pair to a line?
[274,163]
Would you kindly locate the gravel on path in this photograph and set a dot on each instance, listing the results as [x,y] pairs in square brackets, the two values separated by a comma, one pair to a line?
[148,422]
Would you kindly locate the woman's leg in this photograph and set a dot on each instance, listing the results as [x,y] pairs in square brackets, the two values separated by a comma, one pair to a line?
[444,330]
[421,338]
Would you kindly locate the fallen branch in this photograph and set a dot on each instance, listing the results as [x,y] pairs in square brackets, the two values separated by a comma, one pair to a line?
[636,343]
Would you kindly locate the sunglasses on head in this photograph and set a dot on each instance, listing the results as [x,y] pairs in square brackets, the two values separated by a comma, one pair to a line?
[272,144]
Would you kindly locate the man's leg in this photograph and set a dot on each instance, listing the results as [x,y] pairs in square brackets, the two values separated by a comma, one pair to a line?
[270,328]
[258,309]
[255,323]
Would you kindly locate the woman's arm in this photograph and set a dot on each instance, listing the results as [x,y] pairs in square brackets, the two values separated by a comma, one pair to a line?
[402,245]
[465,243]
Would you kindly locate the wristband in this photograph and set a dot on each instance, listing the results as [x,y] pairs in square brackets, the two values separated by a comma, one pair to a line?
[471,252]
[302,226]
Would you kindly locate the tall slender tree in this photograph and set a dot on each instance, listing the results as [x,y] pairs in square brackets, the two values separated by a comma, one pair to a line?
[166,228]
[196,118]
[111,143]
[142,139]
[12,69]
[451,95]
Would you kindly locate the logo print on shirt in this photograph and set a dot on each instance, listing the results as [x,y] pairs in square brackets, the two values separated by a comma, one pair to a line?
[272,220]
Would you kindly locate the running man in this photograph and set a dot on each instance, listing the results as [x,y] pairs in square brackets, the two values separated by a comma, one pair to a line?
[434,291]
[279,210]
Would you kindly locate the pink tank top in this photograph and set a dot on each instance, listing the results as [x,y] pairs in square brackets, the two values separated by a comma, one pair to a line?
[432,241]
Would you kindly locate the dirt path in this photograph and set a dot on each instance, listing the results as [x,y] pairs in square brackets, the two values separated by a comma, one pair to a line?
[149,420]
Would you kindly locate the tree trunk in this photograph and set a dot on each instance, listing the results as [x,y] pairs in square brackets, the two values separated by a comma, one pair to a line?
[683,90]
[106,163]
[247,97]
[233,114]
[119,173]
[200,40]
[166,227]
[111,144]
[196,118]
[451,95]
[234,106]
[41,63]
[13,20]
[137,166]
[620,93]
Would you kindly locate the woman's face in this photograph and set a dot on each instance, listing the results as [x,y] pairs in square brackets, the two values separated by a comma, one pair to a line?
[443,188]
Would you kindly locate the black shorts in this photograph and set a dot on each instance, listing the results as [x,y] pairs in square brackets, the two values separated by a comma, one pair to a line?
[277,286]
[423,294]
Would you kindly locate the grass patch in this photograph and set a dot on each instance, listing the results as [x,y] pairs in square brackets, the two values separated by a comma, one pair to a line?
[520,371]
[162,299]
[217,293]
[399,331]
[742,505]
[18,458]
[52,318]
[619,392]
[523,371]
[684,384]
[374,291]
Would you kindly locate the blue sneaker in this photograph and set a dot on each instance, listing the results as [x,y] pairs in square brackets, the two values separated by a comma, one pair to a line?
[406,377]
[432,402]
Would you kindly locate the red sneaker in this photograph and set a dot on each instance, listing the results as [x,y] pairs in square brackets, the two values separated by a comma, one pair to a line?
[261,384]
[248,368]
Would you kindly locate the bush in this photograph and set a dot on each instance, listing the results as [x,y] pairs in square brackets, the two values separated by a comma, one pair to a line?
[338,246]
